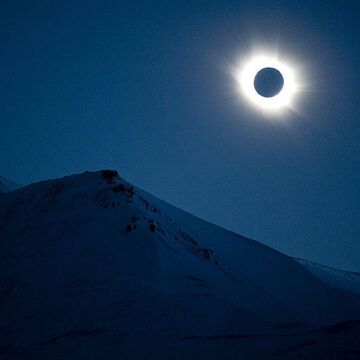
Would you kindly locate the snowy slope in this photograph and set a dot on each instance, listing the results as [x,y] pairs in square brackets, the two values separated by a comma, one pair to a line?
[7,185]
[349,281]
[93,268]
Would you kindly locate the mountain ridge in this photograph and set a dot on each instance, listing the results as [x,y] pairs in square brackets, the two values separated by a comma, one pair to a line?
[152,271]
[7,185]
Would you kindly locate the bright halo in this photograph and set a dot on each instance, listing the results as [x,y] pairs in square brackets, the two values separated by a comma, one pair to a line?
[246,73]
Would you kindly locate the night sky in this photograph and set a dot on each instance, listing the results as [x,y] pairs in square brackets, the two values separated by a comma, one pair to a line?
[144,87]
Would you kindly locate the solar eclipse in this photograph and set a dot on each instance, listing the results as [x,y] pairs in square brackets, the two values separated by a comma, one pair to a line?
[267,82]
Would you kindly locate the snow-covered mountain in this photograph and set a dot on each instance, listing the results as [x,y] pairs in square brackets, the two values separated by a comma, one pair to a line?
[7,185]
[93,268]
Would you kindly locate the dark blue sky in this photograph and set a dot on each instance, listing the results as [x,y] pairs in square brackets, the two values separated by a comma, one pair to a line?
[143,87]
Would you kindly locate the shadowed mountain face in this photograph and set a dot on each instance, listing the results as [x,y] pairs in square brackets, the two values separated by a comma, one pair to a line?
[93,268]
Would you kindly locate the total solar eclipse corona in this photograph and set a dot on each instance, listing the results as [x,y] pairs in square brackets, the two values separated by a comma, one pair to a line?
[267,83]
[243,114]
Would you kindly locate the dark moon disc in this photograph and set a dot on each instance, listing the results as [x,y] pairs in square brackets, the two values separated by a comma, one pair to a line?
[268,82]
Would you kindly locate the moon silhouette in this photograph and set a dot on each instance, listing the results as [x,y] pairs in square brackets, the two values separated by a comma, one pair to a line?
[268,82]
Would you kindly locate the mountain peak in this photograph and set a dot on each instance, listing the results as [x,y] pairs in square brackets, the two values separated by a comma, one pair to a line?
[91,258]
[109,174]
